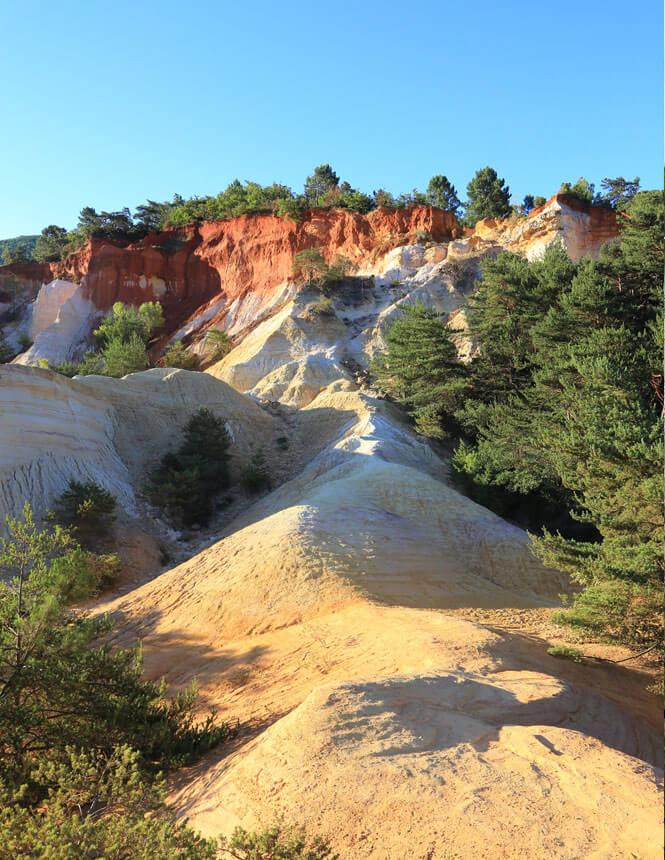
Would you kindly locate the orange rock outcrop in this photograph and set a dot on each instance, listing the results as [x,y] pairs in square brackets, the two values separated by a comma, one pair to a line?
[253,252]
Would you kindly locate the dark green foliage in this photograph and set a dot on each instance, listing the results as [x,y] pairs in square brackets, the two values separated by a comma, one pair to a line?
[421,370]
[218,343]
[310,267]
[282,442]
[442,193]
[28,243]
[24,341]
[619,192]
[278,842]
[50,246]
[582,189]
[6,352]
[539,201]
[237,199]
[17,253]
[91,364]
[101,805]
[86,508]
[122,357]
[562,413]
[488,197]
[65,368]
[323,180]
[58,686]
[385,199]
[96,806]
[188,480]
[257,477]
[177,356]
[152,217]
[124,321]
[123,336]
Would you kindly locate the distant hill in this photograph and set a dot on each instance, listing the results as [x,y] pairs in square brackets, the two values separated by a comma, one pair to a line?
[28,241]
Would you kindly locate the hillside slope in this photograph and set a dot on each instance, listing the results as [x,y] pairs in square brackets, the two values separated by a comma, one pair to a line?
[321,614]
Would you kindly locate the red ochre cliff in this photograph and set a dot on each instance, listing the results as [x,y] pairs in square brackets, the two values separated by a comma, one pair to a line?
[207,267]
[254,253]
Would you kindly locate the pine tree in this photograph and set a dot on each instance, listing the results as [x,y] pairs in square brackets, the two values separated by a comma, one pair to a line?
[489,197]
[442,193]
[420,369]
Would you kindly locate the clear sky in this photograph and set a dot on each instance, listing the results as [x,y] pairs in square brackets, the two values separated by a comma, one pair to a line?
[107,104]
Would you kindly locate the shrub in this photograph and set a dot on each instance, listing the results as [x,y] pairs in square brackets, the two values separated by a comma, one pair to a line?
[6,352]
[282,442]
[278,842]
[86,508]
[189,479]
[177,356]
[91,364]
[67,688]
[565,652]
[126,321]
[256,476]
[582,190]
[423,236]
[310,267]
[103,805]
[24,341]
[122,357]
[617,611]
[66,368]
[218,343]
[322,307]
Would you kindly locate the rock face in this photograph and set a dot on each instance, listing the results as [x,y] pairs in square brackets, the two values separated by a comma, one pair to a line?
[188,266]
[61,323]
[229,274]
[111,431]
[581,228]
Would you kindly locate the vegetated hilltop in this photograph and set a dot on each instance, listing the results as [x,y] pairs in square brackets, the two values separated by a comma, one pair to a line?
[231,273]
[319,609]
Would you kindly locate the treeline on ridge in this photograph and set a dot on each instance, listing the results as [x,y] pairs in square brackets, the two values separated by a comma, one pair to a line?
[559,416]
[488,196]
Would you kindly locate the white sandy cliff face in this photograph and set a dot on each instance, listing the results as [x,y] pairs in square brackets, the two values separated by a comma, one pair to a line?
[319,615]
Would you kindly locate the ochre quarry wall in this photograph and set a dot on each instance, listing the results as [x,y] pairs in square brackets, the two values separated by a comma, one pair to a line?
[581,227]
[252,252]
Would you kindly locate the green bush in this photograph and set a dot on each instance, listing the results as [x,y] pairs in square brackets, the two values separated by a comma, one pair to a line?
[323,307]
[257,477]
[6,352]
[278,842]
[68,687]
[423,236]
[189,479]
[102,805]
[24,341]
[86,508]
[177,356]
[125,321]
[122,357]
[565,652]
[218,343]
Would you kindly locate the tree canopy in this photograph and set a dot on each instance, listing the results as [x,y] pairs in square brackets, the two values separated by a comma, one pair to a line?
[488,197]
[442,193]
[560,413]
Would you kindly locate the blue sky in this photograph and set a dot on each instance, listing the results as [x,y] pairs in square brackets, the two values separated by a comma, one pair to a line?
[107,104]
